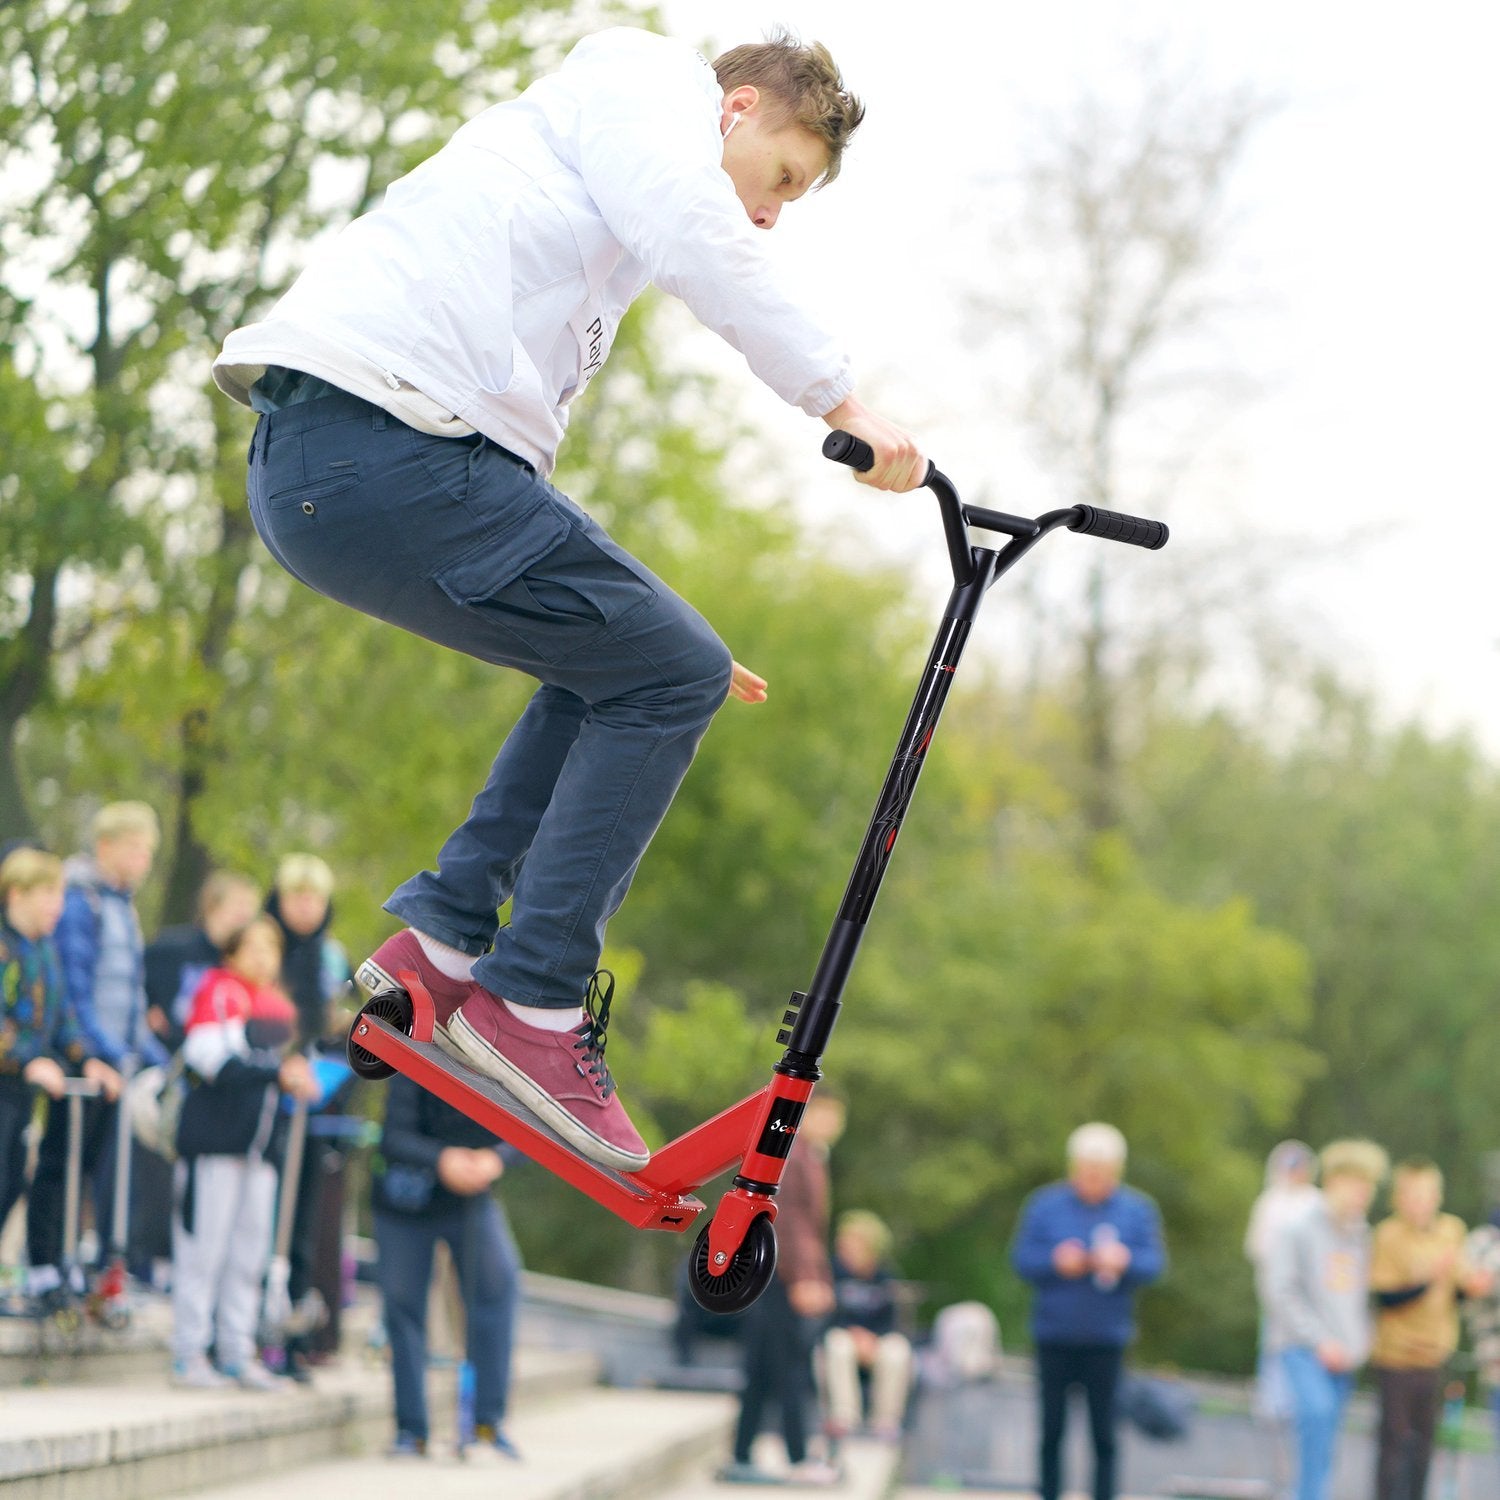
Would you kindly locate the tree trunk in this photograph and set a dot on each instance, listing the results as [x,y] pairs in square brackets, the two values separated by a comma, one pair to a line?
[191,860]
[27,670]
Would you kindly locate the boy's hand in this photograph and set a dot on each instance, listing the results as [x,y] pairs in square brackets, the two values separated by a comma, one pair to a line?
[105,1076]
[898,463]
[47,1075]
[746,686]
[296,1078]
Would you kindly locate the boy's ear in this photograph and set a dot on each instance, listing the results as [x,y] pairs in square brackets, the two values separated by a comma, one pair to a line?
[741,100]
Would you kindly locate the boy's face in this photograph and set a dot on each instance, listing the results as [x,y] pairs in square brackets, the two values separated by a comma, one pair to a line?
[770,165]
[237,908]
[1349,1195]
[125,859]
[34,913]
[857,1252]
[259,956]
[1417,1196]
[303,911]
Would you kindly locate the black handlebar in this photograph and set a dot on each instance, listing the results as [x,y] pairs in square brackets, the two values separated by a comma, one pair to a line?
[845,448]
[1119,528]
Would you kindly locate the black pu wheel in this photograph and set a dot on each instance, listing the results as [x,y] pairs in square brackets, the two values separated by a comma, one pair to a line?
[746,1276]
[395,1009]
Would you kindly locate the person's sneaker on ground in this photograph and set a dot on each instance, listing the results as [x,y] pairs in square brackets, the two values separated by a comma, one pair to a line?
[739,1472]
[197,1374]
[407,1445]
[255,1377]
[490,1445]
[559,1075]
[815,1472]
[403,951]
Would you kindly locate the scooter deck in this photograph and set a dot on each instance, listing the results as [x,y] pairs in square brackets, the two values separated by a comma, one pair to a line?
[485,1102]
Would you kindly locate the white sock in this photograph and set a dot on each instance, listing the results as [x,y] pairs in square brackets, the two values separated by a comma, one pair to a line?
[449,962]
[548,1017]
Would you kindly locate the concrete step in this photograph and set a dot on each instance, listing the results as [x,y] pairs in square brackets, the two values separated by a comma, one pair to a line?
[45,1350]
[598,1444]
[871,1472]
[144,1439]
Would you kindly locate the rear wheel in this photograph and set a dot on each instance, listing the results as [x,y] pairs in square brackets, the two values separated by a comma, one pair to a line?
[394,1007]
[746,1276]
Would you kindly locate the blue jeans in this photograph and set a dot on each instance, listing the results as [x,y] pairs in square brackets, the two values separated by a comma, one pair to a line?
[1318,1401]
[489,1277]
[459,541]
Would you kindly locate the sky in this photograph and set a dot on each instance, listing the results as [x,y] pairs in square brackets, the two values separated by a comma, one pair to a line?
[1362,267]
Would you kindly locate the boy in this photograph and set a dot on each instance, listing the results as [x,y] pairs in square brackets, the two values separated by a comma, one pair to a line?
[103,967]
[39,1043]
[414,386]
[1316,1291]
[1417,1272]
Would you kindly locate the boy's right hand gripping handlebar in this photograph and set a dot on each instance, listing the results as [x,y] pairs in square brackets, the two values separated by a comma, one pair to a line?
[845,448]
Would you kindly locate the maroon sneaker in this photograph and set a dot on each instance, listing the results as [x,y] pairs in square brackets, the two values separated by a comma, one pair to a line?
[559,1075]
[403,951]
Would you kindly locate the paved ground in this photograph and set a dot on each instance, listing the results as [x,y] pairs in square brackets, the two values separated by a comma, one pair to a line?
[983,1440]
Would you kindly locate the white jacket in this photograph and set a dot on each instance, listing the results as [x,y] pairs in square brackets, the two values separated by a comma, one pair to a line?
[485,291]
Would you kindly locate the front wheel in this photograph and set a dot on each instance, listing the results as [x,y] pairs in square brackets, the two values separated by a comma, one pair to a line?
[394,1007]
[746,1276]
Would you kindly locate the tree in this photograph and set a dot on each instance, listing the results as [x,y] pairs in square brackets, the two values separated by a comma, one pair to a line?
[165,163]
[1114,294]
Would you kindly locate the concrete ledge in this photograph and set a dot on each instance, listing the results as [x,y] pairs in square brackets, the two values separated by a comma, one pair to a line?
[597,1445]
[149,1439]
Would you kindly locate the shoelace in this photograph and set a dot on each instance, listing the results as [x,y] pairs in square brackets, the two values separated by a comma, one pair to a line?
[591,1038]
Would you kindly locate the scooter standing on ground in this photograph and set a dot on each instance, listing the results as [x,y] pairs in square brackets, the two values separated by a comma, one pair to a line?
[735,1255]
[108,1301]
[280,1319]
[62,1305]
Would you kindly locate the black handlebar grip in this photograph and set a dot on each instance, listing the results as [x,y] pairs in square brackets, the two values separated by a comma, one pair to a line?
[844,448]
[1114,527]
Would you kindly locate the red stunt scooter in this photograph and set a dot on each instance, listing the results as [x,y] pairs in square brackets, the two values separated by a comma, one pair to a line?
[735,1255]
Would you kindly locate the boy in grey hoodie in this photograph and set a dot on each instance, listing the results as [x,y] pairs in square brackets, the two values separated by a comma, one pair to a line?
[1316,1293]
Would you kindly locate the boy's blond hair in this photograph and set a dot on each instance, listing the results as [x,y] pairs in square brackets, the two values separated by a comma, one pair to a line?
[1355,1159]
[29,869]
[304,872]
[121,819]
[870,1227]
[806,87]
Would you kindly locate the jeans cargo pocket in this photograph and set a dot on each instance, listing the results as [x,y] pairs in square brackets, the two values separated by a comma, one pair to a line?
[549,584]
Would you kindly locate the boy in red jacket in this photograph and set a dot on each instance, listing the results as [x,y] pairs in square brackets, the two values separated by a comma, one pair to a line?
[235,1050]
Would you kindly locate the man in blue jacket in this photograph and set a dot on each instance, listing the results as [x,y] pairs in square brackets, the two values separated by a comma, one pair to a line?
[1085,1244]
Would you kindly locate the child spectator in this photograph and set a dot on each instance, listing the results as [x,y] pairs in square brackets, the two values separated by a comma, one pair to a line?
[1290,1186]
[102,952]
[237,1033]
[437,1169]
[38,1041]
[864,1340]
[178,957]
[1316,1294]
[315,971]
[1418,1273]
